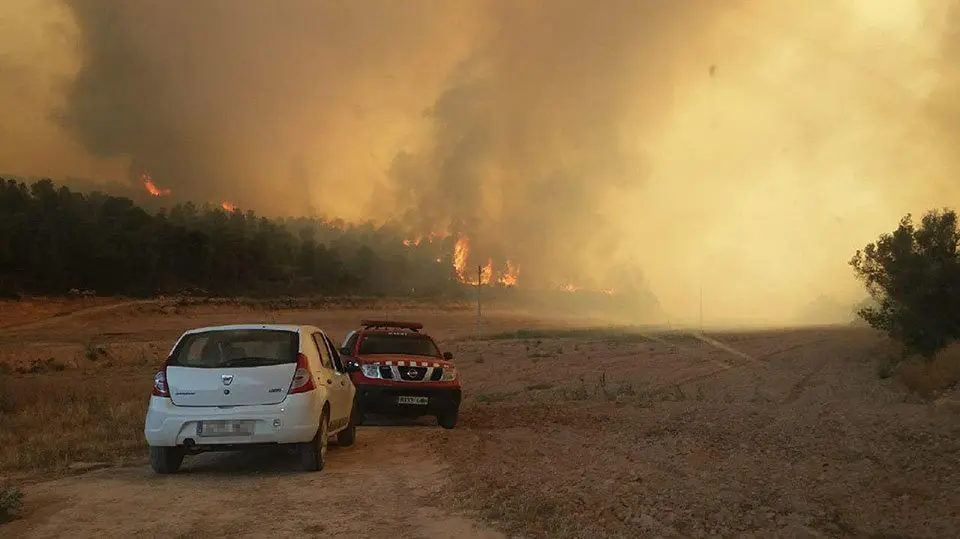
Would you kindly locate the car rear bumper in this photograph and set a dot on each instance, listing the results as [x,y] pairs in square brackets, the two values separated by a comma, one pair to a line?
[294,420]
[384,400]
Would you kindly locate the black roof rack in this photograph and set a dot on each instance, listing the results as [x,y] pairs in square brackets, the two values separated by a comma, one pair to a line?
[391,324]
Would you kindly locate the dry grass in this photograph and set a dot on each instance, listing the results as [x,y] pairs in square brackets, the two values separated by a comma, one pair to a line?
[928,378]
[11,498]
[49,421]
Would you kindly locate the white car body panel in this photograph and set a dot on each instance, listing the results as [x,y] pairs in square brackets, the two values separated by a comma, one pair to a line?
[248,385]
[197,394]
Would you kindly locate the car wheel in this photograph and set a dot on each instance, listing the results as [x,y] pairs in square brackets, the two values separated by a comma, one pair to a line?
[348,435]
[448,418]
[313,454]
[166,460]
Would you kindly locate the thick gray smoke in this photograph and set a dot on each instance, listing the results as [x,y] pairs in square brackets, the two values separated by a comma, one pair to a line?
[527,140]
[744,149]
[523,142]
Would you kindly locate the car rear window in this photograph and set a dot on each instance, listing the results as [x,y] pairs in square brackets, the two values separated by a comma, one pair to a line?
[398,343]
[236,348]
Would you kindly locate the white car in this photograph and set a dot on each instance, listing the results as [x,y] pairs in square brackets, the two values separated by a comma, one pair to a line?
[239,386]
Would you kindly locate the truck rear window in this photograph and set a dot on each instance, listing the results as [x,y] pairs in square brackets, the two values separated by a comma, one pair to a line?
[399,344]
[236,348]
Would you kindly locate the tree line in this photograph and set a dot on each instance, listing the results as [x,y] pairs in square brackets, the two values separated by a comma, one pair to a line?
[54,240]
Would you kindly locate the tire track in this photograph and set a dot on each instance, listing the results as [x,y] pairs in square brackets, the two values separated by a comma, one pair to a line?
[54,320]
[723,366]
[798,388]
[726,348]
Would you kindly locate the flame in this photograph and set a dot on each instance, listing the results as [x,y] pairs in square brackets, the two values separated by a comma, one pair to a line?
[511,276]
[460,251]
[418,239]
[486,273]
[228,206]
[152,187]
[570,287]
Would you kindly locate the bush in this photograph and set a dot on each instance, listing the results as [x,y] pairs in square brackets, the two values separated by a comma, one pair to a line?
[913,276]
[10,500]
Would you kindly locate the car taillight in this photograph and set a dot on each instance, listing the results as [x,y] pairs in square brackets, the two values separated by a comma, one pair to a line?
[302,378]
[160,388]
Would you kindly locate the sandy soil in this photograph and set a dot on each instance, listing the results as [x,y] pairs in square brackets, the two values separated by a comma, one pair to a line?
[383,486]
[760,434]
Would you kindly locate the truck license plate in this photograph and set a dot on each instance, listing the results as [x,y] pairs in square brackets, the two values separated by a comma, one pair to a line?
[224,428]
[412,400]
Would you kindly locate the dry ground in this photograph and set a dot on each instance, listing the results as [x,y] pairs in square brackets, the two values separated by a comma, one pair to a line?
[569,433]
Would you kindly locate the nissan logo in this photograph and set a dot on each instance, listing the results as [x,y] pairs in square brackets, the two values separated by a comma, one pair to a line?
[412,373]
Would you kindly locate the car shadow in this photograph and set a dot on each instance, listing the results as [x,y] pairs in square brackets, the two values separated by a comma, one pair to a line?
[274,461]
[376,420]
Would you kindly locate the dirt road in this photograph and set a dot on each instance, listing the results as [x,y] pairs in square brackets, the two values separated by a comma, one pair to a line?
[384,486]
[563,434]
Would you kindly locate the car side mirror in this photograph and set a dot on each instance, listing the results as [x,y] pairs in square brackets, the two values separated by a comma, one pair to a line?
[352,366]
[448,355]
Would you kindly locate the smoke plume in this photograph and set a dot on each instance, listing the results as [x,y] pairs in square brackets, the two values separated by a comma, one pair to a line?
[734,151]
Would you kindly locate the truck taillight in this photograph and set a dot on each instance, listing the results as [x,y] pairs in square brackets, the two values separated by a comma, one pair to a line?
[160,388]
[302,378]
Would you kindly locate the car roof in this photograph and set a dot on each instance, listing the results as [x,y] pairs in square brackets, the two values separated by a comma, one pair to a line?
[275,327]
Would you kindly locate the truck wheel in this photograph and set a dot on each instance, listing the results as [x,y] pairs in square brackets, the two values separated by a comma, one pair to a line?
[348,435]
[448,418]
[166,460]
[313,454]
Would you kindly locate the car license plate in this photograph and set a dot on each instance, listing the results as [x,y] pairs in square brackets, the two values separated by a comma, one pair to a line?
[422,401]
[224,428]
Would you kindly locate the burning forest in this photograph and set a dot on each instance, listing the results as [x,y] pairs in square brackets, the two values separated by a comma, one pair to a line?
[185,246]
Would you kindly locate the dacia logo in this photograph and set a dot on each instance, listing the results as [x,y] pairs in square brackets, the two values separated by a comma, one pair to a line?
[227,379]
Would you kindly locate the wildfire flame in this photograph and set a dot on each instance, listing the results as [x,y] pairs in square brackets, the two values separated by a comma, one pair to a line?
[511,276]
[486,273]
[460,251]
[228,206]
[508,276]
[418,239]
[152,187]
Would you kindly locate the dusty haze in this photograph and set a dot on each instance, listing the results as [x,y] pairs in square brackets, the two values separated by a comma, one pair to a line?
[743,149]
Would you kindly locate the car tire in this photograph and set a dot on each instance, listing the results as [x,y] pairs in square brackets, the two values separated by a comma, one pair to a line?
[448,419]
[348,435]
[313,454]
[166,460]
